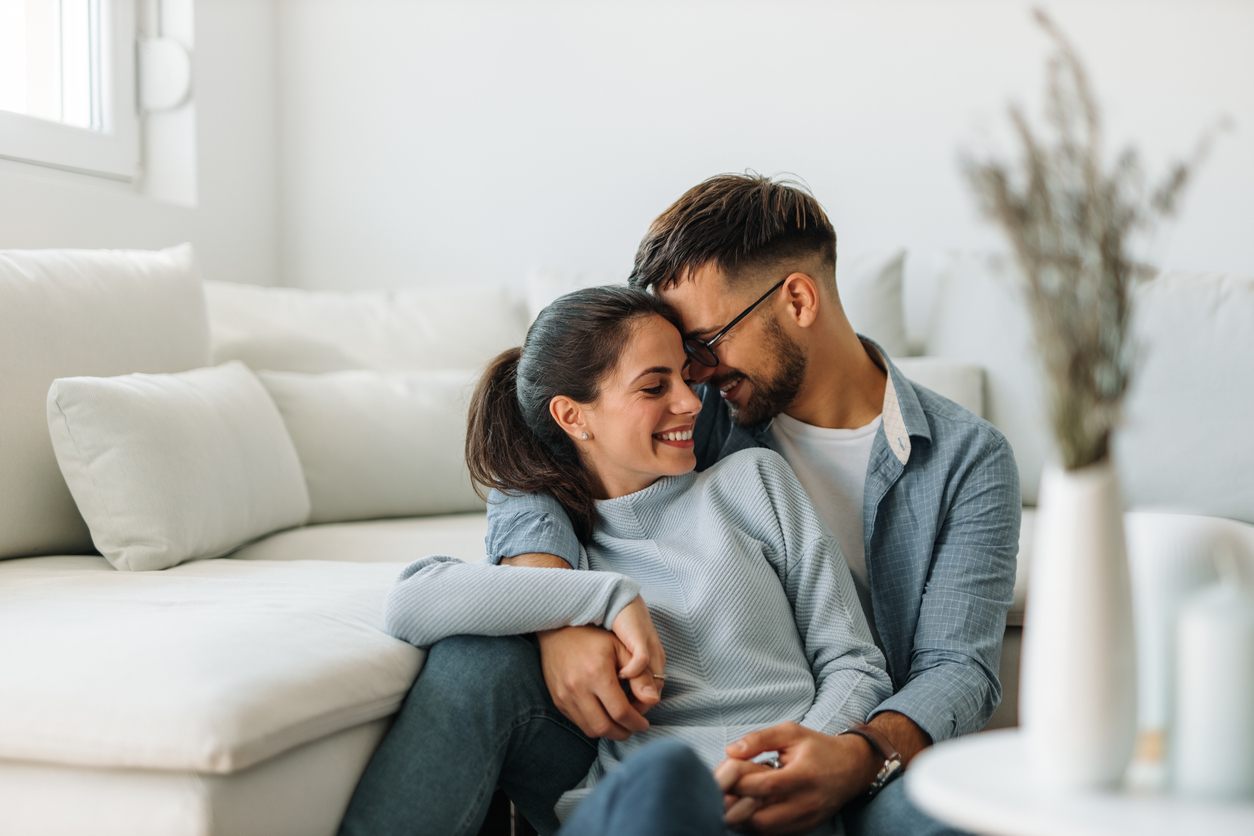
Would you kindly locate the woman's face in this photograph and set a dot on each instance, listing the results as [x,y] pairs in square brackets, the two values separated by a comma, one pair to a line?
[640,428]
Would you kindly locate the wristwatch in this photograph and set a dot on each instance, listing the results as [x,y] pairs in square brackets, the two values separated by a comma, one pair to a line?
[892,760]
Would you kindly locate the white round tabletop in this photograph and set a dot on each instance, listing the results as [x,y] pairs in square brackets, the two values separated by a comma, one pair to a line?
[982,783]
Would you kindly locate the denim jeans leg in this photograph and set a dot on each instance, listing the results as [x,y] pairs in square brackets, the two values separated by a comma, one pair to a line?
[662,790]
[478,713]
[891,813]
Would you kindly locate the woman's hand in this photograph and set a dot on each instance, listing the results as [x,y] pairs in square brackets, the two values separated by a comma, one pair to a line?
[644,655]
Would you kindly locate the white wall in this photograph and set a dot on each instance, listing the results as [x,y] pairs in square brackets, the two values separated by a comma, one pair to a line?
[233,224]
[428,142]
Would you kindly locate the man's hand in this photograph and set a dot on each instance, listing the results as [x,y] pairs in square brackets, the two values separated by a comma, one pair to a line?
[583,665]
[820,774]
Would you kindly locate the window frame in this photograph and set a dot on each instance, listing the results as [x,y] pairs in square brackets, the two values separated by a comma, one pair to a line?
[113,152]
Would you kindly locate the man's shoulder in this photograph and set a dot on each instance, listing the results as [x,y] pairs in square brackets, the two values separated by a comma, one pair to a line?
[956,429]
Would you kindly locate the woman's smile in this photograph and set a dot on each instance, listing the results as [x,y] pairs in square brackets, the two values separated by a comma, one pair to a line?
[680,437]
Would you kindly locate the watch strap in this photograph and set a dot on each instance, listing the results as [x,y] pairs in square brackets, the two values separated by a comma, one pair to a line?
[884,748]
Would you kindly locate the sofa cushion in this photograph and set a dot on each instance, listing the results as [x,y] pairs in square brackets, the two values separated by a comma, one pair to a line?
[962,383]
[79,312]
[979,319]
[1186,444]
[376,541]
[210,666]
[379,444]
[172,467]
[285,329]
[870,285]
[302,792]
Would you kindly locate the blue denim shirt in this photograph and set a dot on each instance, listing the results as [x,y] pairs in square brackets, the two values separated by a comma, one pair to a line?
[941,519]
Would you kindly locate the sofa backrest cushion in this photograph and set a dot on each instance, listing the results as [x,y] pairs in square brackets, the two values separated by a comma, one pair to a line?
[962,383]
[79,312]
[379,444]
[174,467]
[1184,445]
[313,331]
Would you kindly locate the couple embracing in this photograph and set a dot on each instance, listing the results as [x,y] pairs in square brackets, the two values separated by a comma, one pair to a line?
[745,570]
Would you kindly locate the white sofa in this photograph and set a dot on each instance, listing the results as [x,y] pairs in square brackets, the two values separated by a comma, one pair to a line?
[245,694]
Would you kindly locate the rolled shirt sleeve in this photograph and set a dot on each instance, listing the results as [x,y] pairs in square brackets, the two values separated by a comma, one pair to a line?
[529,523]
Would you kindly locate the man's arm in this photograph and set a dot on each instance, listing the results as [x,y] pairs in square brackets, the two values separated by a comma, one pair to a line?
[952,688]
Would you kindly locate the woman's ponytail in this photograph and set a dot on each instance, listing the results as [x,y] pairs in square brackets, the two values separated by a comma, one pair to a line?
[502,452]
[512,442]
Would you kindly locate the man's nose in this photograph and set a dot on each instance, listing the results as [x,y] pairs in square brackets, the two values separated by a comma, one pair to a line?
[699,372]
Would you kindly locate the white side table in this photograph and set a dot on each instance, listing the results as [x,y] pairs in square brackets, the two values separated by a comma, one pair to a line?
[982,783]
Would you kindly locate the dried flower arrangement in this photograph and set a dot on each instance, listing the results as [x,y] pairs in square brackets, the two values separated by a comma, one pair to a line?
[1071,222]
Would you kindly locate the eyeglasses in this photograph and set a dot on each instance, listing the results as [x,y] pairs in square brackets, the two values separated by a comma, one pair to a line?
[703,350]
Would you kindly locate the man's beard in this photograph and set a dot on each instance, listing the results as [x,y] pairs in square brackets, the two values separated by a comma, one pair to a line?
[769,397]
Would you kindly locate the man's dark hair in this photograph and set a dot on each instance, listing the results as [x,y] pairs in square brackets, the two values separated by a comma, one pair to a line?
[741,222]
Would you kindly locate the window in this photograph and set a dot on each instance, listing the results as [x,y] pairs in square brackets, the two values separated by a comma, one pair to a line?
[67,82]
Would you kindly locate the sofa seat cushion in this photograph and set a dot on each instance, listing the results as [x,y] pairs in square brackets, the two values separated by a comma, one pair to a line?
[377,541]
[210,666]
[303,792]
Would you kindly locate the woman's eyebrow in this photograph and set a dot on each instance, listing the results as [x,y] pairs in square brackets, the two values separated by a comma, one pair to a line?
[654,370]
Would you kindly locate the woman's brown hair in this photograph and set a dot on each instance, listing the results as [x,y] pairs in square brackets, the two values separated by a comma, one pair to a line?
[513,444]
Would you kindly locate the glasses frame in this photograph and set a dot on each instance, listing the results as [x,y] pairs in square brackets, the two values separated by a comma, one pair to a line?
[694,346]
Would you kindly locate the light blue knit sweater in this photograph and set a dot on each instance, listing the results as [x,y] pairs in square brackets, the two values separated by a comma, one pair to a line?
[749,592]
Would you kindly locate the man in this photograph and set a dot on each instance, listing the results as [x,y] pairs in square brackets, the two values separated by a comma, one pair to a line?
[922,495]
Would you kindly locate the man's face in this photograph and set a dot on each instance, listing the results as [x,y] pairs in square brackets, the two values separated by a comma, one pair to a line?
[760,368]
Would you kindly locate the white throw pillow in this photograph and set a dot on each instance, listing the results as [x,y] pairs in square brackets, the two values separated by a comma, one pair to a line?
[415,329]
[80,312]
[869,285]
[962,383]
[980,318]
[376,444]
[174,467]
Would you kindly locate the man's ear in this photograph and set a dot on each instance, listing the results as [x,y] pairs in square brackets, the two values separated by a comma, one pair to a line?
[803,298]
[569,415]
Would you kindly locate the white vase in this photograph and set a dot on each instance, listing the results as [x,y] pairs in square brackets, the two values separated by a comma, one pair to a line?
[1078,689]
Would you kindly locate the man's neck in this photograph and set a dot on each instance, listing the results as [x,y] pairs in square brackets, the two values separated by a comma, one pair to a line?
[843,388]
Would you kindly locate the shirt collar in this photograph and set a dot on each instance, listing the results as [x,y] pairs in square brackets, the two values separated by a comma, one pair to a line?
[903,415]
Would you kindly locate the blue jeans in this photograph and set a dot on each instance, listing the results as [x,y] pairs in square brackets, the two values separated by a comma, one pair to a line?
[662,790]
[480,716]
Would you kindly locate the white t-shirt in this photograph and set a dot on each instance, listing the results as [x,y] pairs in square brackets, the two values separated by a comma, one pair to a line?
[831,465]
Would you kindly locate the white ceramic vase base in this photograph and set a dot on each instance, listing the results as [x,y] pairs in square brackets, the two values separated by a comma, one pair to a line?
[1078,691]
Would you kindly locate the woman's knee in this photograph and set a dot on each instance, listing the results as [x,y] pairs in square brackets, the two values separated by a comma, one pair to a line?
[478,670]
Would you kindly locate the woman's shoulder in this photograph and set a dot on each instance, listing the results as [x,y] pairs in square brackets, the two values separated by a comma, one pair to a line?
[755,471]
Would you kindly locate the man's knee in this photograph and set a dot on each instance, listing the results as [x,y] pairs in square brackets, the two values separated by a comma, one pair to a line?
[892,812]
[667,762]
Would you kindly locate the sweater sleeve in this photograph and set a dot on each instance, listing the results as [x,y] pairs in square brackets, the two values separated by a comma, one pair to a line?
[850,674]
[440,596]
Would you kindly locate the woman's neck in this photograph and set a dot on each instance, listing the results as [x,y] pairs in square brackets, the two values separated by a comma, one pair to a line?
[611,482]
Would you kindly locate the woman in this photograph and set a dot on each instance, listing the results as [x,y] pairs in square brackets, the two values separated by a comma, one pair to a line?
[753,603]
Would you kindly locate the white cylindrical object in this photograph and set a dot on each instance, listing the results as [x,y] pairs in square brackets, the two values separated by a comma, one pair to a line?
[1078,696]
[1212,738]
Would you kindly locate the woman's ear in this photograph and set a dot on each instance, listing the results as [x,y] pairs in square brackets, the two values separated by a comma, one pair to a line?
[569,415]
[803,298]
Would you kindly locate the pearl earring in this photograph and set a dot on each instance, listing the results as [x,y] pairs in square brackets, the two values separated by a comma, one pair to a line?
[585,436]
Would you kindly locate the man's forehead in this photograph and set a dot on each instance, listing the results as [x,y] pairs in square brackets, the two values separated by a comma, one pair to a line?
[700,298]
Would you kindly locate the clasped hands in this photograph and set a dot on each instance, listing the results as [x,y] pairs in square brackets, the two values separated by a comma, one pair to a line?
[603,681]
